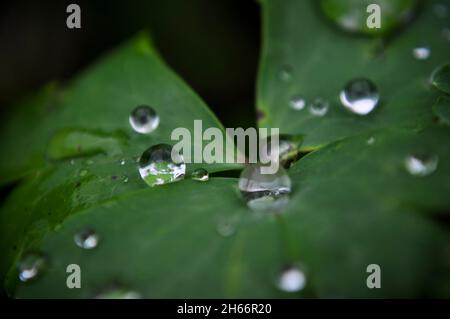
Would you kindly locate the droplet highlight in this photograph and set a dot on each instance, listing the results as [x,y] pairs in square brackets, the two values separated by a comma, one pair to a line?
[292,279]
[297,103]
[360,96]
[421,165]
[31,266]
[144,119]
[86,239]
[157,167]
[319,107]
[421,53]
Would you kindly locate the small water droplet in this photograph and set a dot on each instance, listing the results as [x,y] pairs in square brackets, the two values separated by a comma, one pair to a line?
[371,140]
[319,107]
[157,167]
[72,162]
[83,173]
[421,53]
[89,162]
[440,10]
[30,266]
[122,162]
[360,96]
[143,119]
[265,192]
[287,152]
[119,293]
[125,178]
[292,279]
[86,239]
[297,102]
[286,73]
[225,228]
[200,175]
[421,164]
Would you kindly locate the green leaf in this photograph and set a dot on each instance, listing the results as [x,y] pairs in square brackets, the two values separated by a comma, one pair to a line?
[97,103]
[322,60]
[441,78]
[442,109]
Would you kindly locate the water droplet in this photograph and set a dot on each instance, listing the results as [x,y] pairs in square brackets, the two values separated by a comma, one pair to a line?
[143,119]
[264,192]
[125,178]
[122,162]
[292,280]
[72,162]
[86,239]
[297,103]
[440,10]
[421,53]
[225,228]
[30,266]
[319,107]
[287,152]
[89,162]
[360,96]
[286,73]
[200,174]
[371,140]
[119,293]
[157,167]
[83,173]
[421,164]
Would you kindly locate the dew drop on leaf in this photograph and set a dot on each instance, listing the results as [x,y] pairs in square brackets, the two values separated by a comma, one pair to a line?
[297,102]
[265,192]
[200,175]
[286,152]
[143,119]
[421,165]
[371,140]
[86,239]
[31,266]
[421,53]
[286,73]
[291,279]
[360,96]
[319,107]
[122,162]
[157,167]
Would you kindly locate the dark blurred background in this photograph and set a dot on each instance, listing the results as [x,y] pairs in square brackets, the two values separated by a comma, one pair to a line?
[213,44]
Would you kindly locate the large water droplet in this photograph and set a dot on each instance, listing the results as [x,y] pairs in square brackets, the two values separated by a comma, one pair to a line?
[86,239]
[157,167]
[286,73]
[421,53]
[200,175]
[288,150]
[360,96]
[297,102]
[143,119]
[265,192]
[30,266]
[421,164]
[292,279]
[319,107]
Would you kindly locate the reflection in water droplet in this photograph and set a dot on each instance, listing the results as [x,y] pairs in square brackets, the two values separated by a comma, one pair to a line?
[421,164]
[157,167]
[371,140]
[360,96]
[421,53]
[143,119]
[286,73]
[287,152]
[265,192]
[86,239]
[200,175]
[292,280]
[319,107]
[30,266]
[297,103]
